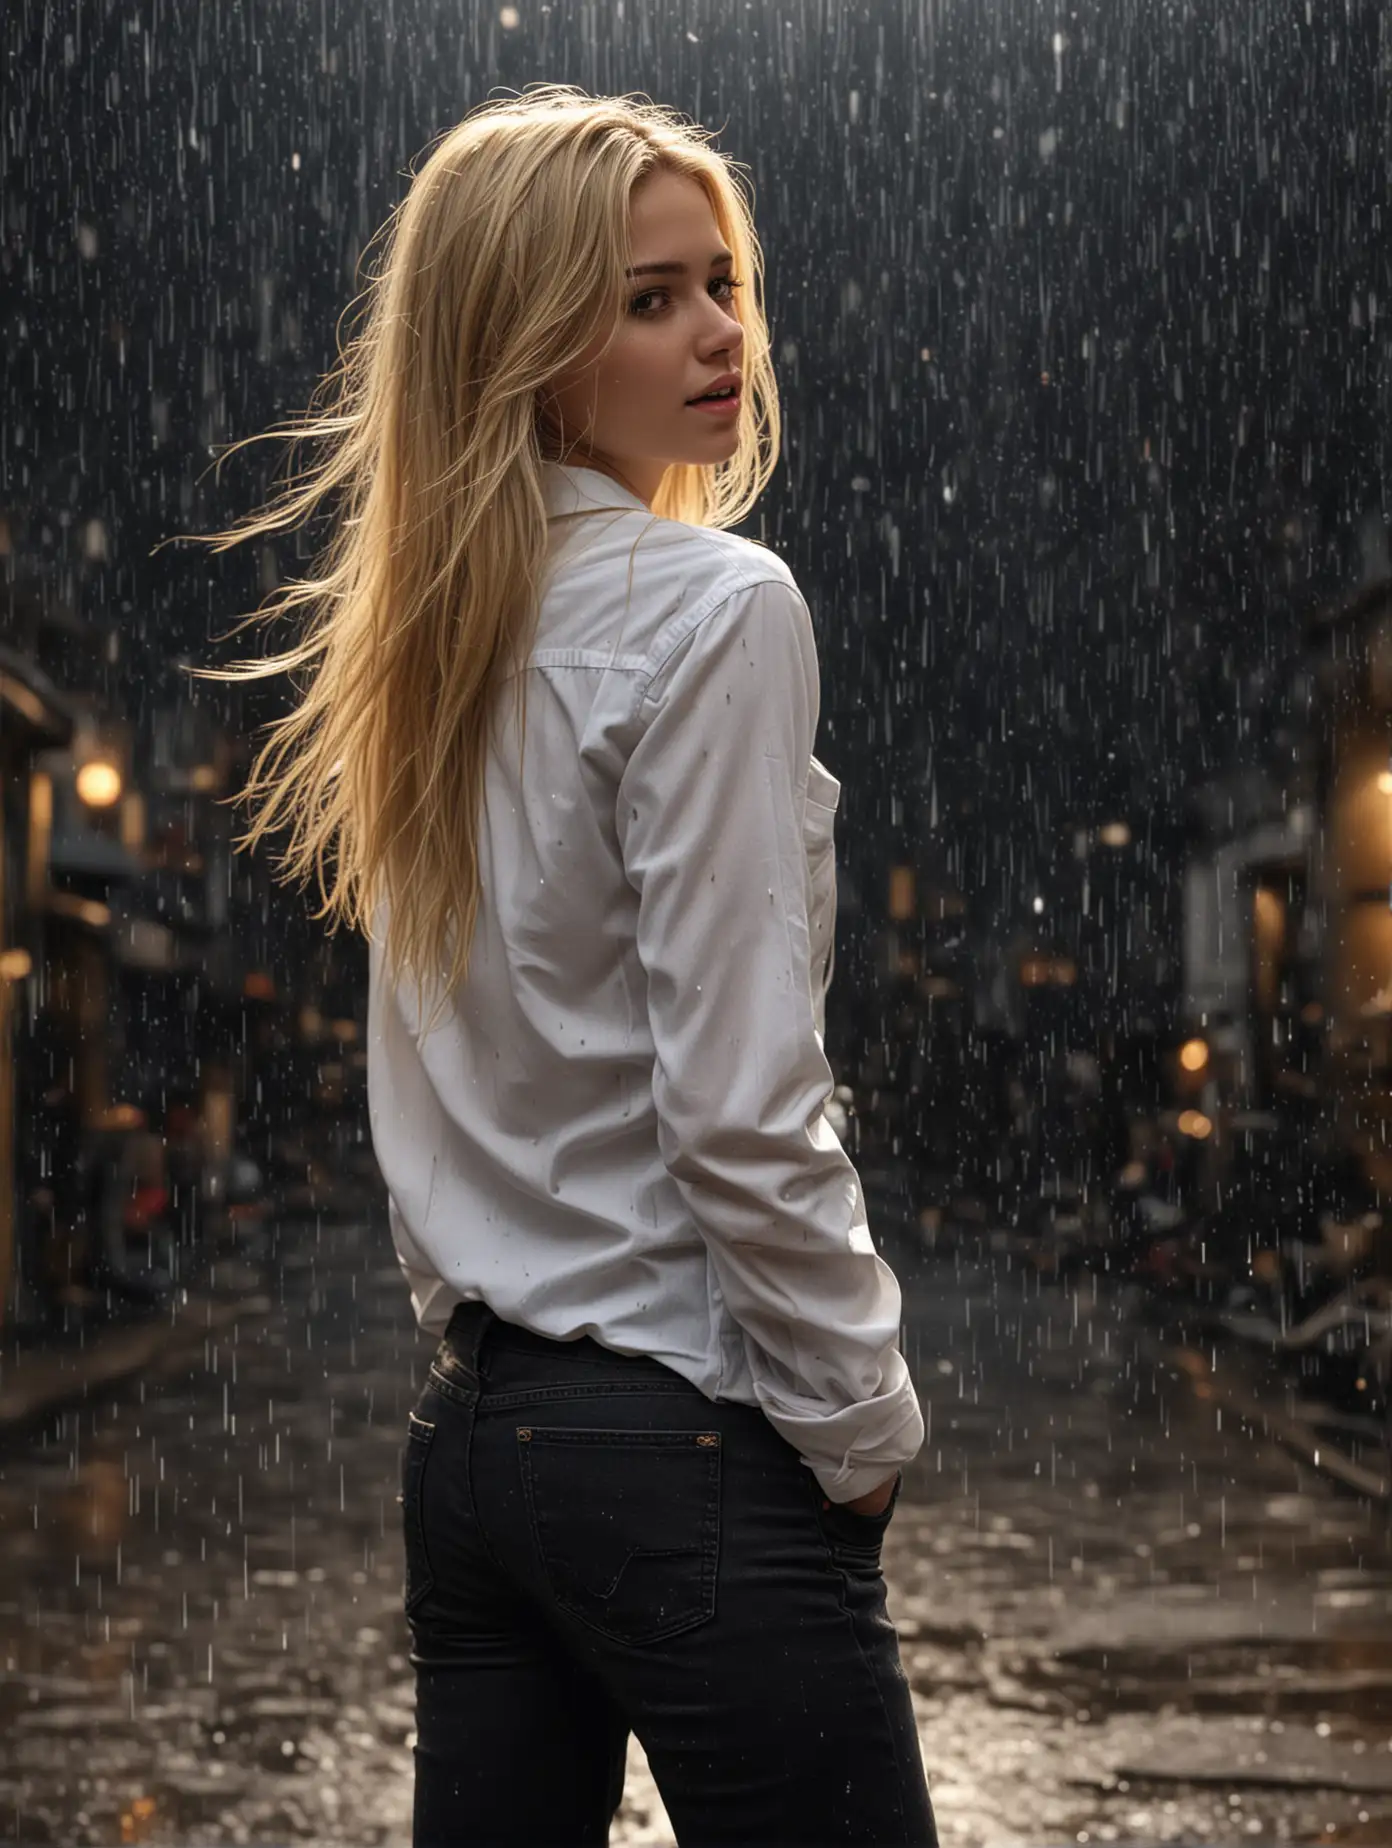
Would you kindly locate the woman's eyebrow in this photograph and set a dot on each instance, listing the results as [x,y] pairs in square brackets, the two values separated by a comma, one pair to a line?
[676,269]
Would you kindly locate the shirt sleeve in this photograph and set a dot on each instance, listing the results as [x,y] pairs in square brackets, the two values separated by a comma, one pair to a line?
[710,817]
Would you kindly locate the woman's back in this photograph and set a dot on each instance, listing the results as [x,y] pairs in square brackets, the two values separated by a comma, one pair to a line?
[630,1083]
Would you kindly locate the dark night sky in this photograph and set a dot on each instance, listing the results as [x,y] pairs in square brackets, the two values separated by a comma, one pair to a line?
[1079,315]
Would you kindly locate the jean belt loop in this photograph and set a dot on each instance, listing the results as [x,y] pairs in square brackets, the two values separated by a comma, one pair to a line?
[482,1322]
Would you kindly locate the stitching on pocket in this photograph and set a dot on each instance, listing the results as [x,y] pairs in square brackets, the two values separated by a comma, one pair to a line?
[420,1580]
[626,1525]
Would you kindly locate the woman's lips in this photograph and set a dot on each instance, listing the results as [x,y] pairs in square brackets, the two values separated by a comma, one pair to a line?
[716,407]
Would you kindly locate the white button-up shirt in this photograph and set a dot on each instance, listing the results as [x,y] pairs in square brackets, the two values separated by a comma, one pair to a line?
[617,1127]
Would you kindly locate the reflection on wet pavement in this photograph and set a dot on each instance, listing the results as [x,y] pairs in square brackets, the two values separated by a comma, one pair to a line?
[1122,1621]
[1160,1628]
[201,1623]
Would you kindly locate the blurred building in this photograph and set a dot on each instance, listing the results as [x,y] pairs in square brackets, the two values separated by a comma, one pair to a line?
[35,718]
[137,1033]
[1287,990]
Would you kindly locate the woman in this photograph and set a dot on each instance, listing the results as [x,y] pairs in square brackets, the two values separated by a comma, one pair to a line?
[647,1479]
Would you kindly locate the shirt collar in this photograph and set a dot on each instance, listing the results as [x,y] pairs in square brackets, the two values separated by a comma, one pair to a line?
[570,489]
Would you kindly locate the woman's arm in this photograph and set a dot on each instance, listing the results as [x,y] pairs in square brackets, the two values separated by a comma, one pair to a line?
[710,816]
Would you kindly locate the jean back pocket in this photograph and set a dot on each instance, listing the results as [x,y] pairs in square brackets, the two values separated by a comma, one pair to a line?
[626,1525]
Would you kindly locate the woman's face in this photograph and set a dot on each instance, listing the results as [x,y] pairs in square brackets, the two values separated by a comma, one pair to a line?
[626,408]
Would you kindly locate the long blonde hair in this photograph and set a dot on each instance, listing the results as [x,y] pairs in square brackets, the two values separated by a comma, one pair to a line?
[501,265]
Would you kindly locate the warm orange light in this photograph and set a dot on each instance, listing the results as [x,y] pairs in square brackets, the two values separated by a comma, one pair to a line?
[121,1116]
[15,965]
[1114,834]
[99,783]
[1385,782]
[902,902]
[1193,1055]
[89,911]
[1194,1123]
[138,1820]
[939,988]
[1047,971]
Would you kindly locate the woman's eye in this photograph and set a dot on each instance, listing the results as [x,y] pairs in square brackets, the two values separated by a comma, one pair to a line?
[635,306]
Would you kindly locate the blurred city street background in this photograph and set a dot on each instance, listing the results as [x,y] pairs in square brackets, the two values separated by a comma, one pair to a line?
[1080,321]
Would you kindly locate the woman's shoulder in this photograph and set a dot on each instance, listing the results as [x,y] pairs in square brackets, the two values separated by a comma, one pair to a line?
[710,564]
[701,573]
[647,582]
[741,559]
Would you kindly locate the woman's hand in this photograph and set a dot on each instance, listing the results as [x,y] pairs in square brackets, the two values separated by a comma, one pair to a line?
[874,1501]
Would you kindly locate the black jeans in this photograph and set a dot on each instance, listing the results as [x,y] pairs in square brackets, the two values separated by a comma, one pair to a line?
[593,1546]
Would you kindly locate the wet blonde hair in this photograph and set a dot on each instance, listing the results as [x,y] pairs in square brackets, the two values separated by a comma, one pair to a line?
[501,265]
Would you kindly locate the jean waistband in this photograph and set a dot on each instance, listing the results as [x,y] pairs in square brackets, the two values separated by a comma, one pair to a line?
[473,1322]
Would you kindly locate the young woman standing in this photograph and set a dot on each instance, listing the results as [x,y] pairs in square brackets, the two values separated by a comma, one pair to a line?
[646,1481]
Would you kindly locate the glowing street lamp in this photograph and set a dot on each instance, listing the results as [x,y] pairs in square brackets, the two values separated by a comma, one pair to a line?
[99,783]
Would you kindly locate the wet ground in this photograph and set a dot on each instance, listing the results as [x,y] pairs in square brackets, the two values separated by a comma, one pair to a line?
[1125,1617]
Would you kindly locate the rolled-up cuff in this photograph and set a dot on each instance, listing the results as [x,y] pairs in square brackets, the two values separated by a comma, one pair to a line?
[859,1482]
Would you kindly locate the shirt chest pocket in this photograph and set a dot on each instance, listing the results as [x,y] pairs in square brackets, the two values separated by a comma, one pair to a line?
[818,832]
